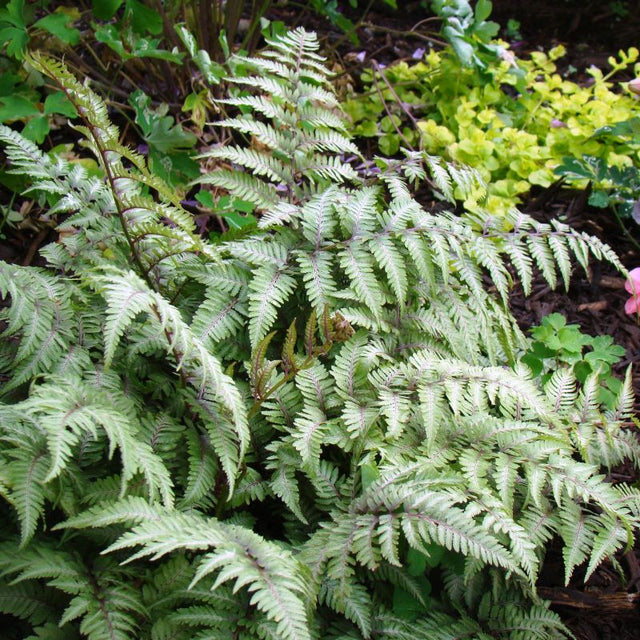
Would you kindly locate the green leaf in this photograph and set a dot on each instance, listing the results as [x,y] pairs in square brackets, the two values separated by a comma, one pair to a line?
[59,103]
[17,39]
[542,351]
[436,555]
[212,71]
[461,47]
[143,19]
[604,350]
[36,129]
[105,9]
[599,199]
[628,129]
[534,363]
[582,370]
[238,221]
[138,47]
[485,32]
[367,129]
[13,13]
[16,107]
[57,24]
[369,474]
[175,168]
[417,562]
[405,606]
[483,10]
[243,205]
[8,81]
[389,144]
[572,340]
[159,130]
[205,198]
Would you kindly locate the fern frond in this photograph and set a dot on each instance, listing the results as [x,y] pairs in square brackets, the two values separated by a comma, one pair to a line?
[356,605]
[39,321]
[129,510]
[260,164]
[218,317]
[393,436]
[611,535]
[218,400]
[269,289]
[27,600]
[284,462]
[203,467]
[263,195]
[440,177]
[306,127]
[357,264]
[561,390]
[389,259]
[317,217]
[65,416]
[27,472]
[311,425]
[274,578]
[109,608]
[27,159]
[625,399]
[316,270]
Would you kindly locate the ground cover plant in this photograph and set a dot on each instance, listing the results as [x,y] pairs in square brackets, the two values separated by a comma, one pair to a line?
[519,121]
[316,427]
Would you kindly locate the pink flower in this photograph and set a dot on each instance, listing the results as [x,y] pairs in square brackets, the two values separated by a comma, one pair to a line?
[632,285]
[634,85]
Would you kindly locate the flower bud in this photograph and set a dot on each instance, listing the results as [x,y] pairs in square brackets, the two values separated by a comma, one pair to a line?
[634,86]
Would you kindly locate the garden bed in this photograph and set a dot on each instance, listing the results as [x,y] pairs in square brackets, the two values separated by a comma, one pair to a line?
[608,605]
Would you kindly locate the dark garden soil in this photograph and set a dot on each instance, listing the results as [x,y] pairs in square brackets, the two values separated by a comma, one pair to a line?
[608,605]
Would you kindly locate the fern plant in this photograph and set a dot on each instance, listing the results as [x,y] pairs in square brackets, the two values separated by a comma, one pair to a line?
[301,432]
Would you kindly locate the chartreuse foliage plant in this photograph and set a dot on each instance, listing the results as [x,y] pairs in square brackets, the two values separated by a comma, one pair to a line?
[315,428]
[515,120]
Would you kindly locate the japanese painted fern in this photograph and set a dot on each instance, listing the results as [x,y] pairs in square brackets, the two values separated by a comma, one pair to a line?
[300,433]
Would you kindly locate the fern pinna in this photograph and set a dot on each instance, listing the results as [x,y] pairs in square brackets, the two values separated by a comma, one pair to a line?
[320,429]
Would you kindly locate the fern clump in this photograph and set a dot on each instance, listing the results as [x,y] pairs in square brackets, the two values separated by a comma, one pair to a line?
[301,432]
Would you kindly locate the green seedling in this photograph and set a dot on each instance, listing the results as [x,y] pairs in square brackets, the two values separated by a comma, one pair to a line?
[557,344]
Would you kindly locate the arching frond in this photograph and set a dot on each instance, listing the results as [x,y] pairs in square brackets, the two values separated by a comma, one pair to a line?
[276,580]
